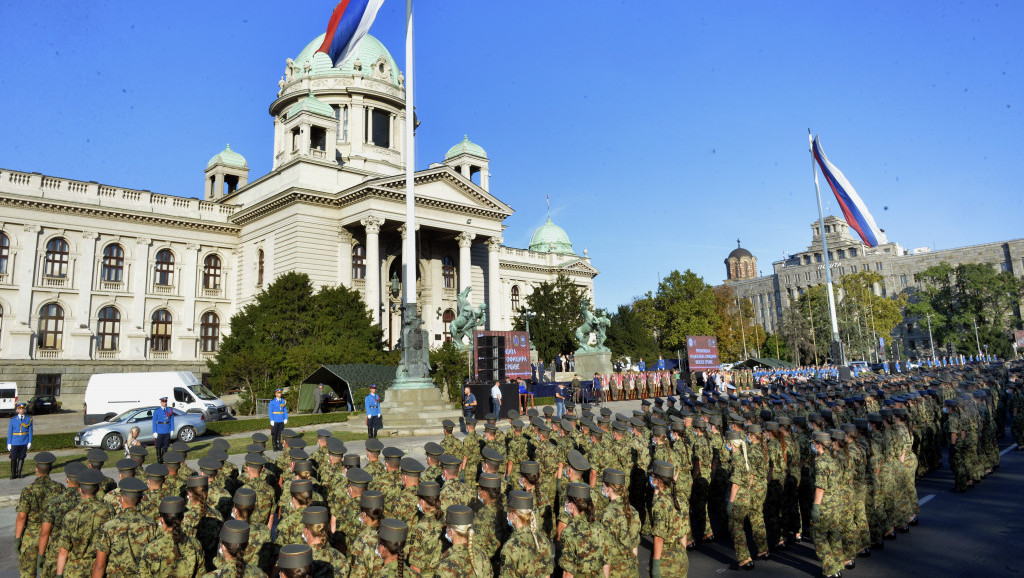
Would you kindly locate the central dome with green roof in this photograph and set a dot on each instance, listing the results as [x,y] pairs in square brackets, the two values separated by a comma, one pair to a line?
[370,53]
[550,238]
[228,158]
[466,147]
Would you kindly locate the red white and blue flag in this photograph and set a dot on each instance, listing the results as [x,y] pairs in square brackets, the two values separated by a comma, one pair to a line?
[854,209]
[350,21]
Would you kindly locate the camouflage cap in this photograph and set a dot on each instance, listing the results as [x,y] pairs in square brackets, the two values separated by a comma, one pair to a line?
[295,556]
[371,499]
[234,532]
[428,489]
[458,515]
[520,500]
[358,477]
[244,497]
[172,505]
[315,515]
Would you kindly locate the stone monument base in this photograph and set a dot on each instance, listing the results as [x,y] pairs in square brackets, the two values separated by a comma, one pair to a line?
[590,362]
[415,412]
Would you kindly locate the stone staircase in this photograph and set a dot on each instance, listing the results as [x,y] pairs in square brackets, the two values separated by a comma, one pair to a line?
[415,412]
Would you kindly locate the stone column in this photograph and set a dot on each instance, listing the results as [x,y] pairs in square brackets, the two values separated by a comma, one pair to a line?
[369,125]
[493,288]
[393,138]
[356,117]
[372,225]
[84,272]
[188,284]
[344,257]
[218,187]
[25,260]
[136,325]
[464,169]
[485,178]
[465,260]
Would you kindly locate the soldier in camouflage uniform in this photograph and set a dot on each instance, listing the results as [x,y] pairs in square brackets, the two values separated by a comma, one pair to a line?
[527,552]
[199,520]
[363,561]
[121,540]
[777,470]
[423,547]
[403,505]
[472,444]
[125,469]
[433,452]
[260,550]
[327,561]
[255,480]
[517,445]
[703,461]
[149,505]
[95,459]
[455,490]
[289,528]
[174,554]
[486,521]
[827,504]
[217,496]
[669,522]
[451,444]
[543,495]
[76,556]
[54,512]
[30,514]
[174,483]
[746,497]
[234,540]
[464,559]
[374,466]
[621,523]
[584,544]
[344,507]
[319,455]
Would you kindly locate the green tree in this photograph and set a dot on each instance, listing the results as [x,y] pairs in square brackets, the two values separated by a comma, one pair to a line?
[955,299]
[683,305]
[628,335]
[449,367]
[775,346]
[557,312]
[289,331]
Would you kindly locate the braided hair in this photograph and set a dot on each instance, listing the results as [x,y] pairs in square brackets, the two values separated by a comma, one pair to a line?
[244,512]
[319,532]
[173,523]
[467,530]
[397,548]
[237,552]
[670,486]
[374,514]
[435,503]
[199,494]
[585,506]
[528,518]
[623,491]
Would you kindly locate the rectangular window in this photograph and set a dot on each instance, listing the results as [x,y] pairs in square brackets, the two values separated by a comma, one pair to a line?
[344,123]
[884,292]
[878,265]
[819,274]
[807,276]
[381,128]
[1004,267]
[910,327]
[865,267]
[817,257]
[840,253]
[903,279]
[48,384]
[853,252]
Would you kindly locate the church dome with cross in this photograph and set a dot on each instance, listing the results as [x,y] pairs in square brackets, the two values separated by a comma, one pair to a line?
[740,264]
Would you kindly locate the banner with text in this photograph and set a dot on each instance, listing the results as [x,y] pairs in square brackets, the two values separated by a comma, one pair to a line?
[517,352]
[702,352]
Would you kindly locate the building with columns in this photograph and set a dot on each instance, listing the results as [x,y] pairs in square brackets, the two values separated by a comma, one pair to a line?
[98,278]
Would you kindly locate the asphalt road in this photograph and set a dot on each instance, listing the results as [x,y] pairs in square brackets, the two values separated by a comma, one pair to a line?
[973,534]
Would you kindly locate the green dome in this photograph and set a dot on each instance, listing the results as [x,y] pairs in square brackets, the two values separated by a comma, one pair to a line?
[229,158]
[550,238]
[466,147]
[313,105]
[369,51]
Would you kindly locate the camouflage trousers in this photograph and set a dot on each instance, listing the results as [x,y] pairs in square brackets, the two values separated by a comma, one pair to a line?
[28,552]
[1017,429]
[876,514]
[674,561]
[828,542]
[958,465]
[906,491]
[861,530]
[700,521]
[749,507]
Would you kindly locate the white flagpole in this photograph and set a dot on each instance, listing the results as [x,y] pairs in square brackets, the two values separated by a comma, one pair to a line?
[824,251]
[409,251]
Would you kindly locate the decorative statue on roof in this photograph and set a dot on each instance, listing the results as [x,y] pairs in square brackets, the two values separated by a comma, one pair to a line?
[467,319]
[596,324]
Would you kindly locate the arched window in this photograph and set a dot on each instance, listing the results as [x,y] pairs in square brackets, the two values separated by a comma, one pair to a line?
[515,298]
[448,272]
[5,252]
[164,273]
[358,262]
[447,318]
[259,268]
[51,326]
[56,264]
[109,329]
[113,263]
[160,333]
[211,272]
[209,332]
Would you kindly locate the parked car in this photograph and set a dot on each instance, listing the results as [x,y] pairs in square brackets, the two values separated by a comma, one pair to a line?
[110,435]
[109,394]
[8,397]
[858,365]
[40,404]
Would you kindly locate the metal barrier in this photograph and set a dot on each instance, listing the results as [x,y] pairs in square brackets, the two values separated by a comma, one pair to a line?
[262,406]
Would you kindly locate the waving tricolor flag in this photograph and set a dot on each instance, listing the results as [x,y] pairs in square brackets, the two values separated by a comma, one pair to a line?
[350,21]
[854,209]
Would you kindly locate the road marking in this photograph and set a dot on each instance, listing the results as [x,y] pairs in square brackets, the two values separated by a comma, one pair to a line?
[925,499]
[1008,450]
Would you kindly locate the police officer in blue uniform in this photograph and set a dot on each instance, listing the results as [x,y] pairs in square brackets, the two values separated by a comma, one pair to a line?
[163,427]
[19,439]
[278,411]
[373,415]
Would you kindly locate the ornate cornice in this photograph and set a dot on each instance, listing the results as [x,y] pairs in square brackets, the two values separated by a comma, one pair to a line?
[67,208]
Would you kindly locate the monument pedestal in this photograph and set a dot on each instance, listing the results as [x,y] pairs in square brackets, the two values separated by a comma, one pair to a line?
[415,412]
[590,362]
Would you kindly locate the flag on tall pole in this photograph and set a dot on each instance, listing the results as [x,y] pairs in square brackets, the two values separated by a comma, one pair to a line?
[854,210]
[350,21]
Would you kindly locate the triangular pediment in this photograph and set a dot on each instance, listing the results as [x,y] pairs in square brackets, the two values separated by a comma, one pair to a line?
[581,265]
[444,185]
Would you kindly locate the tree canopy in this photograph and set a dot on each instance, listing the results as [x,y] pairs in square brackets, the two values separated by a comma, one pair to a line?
[628,335]
[683,305]
[556,310]
[288,332]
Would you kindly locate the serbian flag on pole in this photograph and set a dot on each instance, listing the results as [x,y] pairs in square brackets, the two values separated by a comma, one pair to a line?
[350,21]
[854,209]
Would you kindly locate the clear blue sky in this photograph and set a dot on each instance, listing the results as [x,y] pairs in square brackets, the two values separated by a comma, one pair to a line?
[662,130]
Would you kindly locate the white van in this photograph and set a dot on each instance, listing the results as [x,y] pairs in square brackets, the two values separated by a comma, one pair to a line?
[110,394]
[8,396]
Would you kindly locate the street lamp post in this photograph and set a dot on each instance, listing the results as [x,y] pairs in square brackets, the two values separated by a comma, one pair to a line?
[930,342]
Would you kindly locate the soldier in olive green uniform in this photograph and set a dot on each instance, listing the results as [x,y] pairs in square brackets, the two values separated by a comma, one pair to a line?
[234,540]
[669,520]
[201,521]
[828,540]
[403,504]
[363,562]
[455,490]
[76,555]
[326,560]
[120,542]
[746,498]
[423,547]
[584,544]
[464,558]
[54,513]
[260,550]
[255,480]
[174,554]
[621,523]
[527,552]
[30,514]
[289,529]
[486,522]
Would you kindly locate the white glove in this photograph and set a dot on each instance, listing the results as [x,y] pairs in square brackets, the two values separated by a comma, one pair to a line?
[29,446]
[285,422]
[154,436]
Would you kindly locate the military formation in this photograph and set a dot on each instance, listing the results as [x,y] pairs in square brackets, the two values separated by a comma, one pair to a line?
[539,495]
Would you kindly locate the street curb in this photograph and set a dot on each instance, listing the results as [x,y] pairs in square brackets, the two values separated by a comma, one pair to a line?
[8,501]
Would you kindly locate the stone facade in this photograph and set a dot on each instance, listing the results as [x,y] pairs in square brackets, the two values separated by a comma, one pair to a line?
[772,294]
[95,277]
